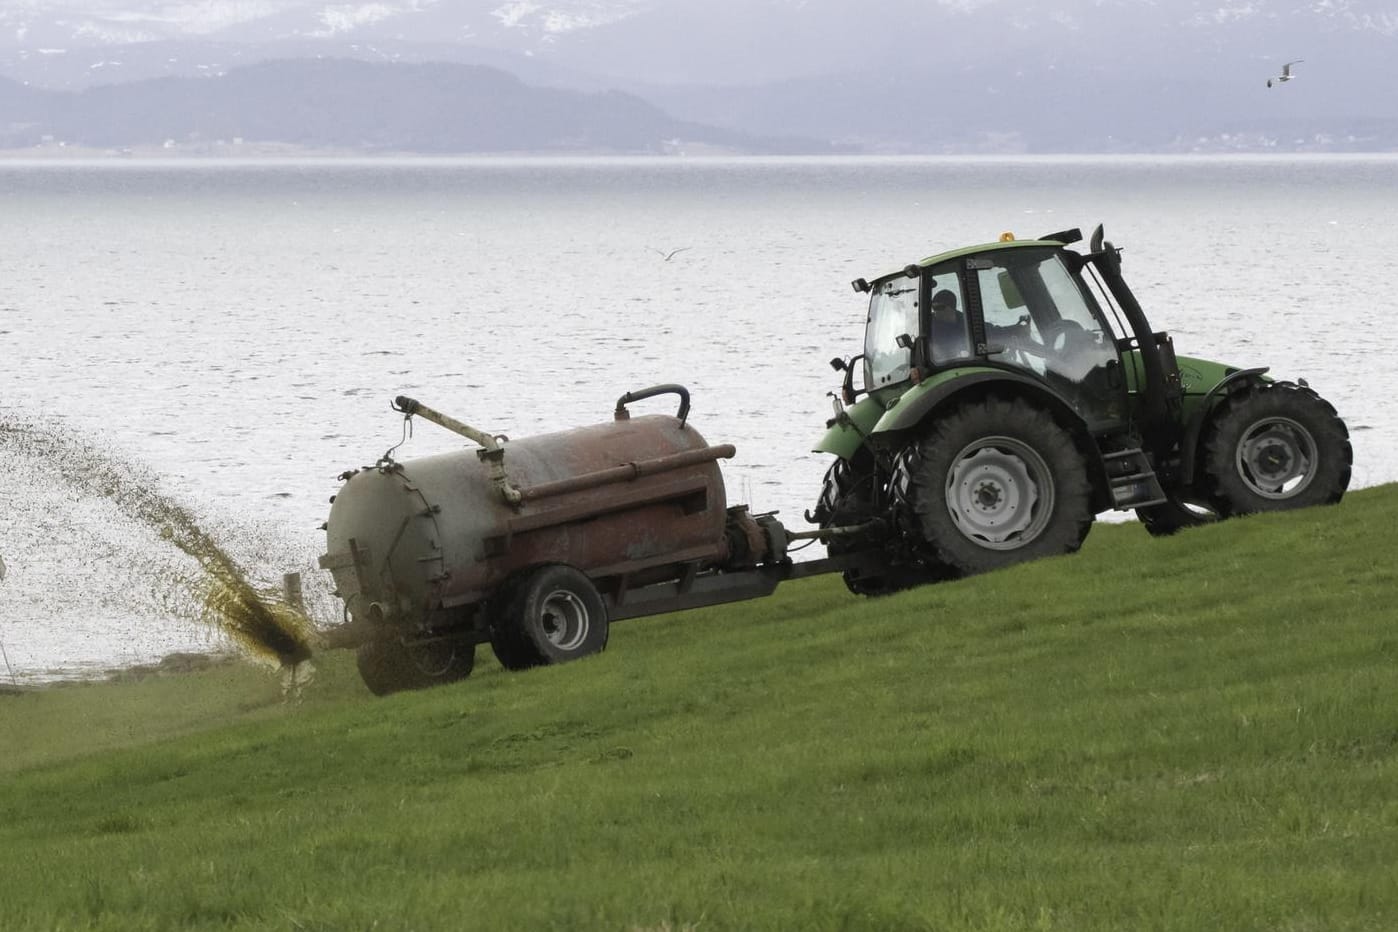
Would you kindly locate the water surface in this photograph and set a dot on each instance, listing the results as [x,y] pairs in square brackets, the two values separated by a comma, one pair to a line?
[236,330]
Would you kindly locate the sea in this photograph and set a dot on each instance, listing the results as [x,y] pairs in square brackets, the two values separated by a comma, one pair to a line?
[225,337]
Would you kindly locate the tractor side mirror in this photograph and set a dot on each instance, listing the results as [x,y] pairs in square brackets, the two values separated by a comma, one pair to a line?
[847,390]
[838,364]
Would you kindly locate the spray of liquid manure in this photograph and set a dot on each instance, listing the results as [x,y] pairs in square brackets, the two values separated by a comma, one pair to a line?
[208,587]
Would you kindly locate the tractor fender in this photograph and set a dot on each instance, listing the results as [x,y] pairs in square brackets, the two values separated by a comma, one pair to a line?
[1194,430]
[922,402]
[850,429]
[873,417]
[918,403]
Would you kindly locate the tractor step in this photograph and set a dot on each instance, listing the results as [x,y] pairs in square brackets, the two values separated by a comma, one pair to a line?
[1132,478]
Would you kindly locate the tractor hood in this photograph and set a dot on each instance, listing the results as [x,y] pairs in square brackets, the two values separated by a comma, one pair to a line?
[1197,376]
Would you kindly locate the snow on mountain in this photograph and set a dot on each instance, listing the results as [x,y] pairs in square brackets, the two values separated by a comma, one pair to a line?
[95,22]
[348,18]
[552,20]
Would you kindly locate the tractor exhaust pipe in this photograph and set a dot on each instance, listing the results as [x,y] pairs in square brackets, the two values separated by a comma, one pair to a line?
[1106,258]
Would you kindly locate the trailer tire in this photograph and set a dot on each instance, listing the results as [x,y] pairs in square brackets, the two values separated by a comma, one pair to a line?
[556,614]
[997,482]
[512,652]
[1275,448]
[507,641]
[387,665]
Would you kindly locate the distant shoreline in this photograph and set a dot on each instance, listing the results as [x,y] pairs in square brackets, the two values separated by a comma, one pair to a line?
[276,153]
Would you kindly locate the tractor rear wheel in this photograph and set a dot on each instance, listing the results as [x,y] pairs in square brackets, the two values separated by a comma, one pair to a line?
[847,498]
[997,482]
[1275,448]
[387,665]
[554,614]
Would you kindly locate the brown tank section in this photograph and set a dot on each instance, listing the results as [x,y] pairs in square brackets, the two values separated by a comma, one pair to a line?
[636,498]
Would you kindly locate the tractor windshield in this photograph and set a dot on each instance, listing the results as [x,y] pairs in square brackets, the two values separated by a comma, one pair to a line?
[892,313]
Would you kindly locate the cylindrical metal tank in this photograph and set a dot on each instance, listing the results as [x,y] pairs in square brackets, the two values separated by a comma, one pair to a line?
[640,498]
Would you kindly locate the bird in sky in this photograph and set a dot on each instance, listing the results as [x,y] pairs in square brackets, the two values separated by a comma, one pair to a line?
[1286,74]
[672,253]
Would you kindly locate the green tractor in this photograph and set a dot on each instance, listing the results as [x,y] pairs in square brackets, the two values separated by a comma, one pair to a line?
[1014,390]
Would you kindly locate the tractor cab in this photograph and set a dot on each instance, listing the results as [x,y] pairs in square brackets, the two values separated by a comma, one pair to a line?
[1022,307]
[1033,311]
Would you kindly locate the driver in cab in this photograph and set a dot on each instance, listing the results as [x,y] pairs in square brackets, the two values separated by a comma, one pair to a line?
[950,339]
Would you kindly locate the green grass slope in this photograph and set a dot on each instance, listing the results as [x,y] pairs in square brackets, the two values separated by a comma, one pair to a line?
[1192,733]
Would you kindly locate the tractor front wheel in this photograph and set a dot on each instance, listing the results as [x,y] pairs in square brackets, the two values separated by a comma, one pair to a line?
[1275,448]
[996,482]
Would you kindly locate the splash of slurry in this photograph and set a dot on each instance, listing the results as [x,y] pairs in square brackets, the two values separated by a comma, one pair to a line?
[257,622]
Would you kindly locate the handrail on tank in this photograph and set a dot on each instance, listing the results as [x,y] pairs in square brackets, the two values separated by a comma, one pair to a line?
[668,388]
[493,454]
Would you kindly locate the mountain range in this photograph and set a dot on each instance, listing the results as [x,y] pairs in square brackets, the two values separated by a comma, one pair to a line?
[352,106]
[739,75]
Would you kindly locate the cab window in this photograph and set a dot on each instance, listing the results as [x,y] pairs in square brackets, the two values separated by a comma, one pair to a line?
[1036,309]
[1039,317]
[893,311]
[947,325]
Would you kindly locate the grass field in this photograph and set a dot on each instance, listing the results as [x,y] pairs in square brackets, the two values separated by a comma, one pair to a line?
[1192,733]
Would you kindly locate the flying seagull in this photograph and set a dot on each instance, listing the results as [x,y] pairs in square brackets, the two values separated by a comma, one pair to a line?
[672,253]
[1286,74]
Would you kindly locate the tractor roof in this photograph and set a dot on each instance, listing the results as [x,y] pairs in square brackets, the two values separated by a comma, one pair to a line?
[971,251]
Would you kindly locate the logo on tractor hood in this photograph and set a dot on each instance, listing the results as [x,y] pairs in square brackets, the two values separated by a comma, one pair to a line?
[1190,377]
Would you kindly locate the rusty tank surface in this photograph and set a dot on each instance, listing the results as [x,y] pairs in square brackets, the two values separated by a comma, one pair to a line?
[535,545]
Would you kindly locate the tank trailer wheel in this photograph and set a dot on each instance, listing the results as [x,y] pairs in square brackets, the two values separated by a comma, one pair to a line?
[1276,448]
[507,640]
[557,614]
[512,652]
[997,482]
[387,665]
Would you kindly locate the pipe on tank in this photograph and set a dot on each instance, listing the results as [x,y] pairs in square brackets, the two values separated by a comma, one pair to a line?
[493,454]
[628,472]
